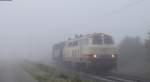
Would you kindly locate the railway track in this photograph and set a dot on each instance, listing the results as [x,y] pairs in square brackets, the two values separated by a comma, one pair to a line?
[105,77]
[115,77]
[129,77]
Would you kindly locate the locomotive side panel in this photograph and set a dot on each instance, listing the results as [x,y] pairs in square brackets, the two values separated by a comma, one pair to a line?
[76,53]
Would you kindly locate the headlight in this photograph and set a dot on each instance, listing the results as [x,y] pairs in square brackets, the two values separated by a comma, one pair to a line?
[113,56]
[94,55]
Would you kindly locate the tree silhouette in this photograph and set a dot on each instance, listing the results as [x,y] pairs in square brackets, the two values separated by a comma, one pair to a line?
[147,44]
[131,50]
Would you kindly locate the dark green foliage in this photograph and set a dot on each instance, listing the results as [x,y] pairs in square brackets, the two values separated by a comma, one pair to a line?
[76,78]
[147,45]
[131,51]
[51,74]
[133,58]
[63,76]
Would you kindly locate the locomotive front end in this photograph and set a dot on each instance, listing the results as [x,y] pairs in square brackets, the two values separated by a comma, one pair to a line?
[102,52]
[107,60]
[91,51]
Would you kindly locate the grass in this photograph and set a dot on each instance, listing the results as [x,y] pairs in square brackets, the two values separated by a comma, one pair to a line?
[44,73]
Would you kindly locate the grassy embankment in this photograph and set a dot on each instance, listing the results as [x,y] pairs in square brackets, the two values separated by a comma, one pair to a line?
[44,73]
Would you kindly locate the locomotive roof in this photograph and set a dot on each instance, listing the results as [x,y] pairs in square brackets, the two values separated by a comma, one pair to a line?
[61,44]
[87,36]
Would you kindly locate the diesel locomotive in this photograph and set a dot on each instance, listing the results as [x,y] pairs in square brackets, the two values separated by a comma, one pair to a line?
[91,51]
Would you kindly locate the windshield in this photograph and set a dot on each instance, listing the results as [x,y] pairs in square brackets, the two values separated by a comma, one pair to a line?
[97,39]
[102,39]
[108,39]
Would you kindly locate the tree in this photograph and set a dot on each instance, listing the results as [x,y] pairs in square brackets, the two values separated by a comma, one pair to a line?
[147,44]
[131,51]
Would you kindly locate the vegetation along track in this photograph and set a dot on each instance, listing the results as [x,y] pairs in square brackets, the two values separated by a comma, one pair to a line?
[100,77]
[109,77]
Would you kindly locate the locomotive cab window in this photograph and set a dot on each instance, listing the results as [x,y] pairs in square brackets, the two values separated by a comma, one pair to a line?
[108,39]
[97,39]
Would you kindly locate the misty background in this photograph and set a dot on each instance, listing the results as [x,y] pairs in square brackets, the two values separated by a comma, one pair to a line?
[29,28]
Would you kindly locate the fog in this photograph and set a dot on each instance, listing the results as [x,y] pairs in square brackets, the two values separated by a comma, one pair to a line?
[28,28]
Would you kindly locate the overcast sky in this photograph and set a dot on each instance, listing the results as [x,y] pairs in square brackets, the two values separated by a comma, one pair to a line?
[34,25]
